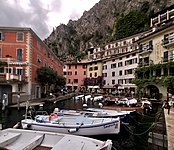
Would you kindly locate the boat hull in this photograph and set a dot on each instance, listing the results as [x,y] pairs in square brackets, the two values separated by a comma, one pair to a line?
[19,139]
[112,127]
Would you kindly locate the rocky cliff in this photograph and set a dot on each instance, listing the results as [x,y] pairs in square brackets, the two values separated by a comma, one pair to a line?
[98,26]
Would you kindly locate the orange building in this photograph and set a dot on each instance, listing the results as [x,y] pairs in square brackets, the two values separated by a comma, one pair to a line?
[22,52]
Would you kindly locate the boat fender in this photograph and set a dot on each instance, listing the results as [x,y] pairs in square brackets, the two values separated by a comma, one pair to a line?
[72,130]
[26,126]
[17,126]
[52,115]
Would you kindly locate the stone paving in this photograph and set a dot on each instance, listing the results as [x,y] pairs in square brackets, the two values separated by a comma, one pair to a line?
[169,119]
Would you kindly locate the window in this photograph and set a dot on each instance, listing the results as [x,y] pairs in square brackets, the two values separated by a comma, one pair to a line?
[45,51]
[49,55]
[0,36]
[104,82]
[8,70]
[113,65]
[90,69]
[120,73]
[19,87]
[84,73]
[120,64]
[120,81]
[20,36]
[19,54]
[113,74]
[38,45]
[75,72]
[96,68]
[75,80]
[90,75]
[127,56]
[84,66]
[69,80]
[75,66]
[69,73]
[69,66]
[113,81]
[64,73]
[39,59]
[19,71]
[45,63]
[95,74]
[1,70]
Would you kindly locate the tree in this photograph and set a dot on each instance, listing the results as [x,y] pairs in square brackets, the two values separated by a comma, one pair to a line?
[46,77]
[59,82]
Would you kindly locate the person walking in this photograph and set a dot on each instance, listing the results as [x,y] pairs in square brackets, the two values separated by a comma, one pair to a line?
[170,104]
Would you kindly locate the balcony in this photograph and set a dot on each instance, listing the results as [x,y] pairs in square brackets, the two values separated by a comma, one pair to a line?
[169,41]
[145,49]
[141,64]
[12,78]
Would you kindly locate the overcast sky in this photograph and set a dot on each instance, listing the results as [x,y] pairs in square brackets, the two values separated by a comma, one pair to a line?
[41,15]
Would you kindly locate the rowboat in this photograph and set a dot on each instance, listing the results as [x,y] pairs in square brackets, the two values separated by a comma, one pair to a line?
[19,139]
[78,125]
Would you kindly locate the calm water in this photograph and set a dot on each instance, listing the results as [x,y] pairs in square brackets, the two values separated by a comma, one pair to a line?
[123,141]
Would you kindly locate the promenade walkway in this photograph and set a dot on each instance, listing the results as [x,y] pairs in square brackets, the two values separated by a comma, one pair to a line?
[169,119]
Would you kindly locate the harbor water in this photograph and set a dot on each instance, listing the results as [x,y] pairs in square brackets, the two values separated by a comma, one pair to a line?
[125,140]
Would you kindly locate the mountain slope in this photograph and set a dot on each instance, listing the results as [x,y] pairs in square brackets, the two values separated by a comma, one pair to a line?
[99,25]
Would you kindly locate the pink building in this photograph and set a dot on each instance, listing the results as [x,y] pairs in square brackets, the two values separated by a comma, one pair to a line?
[75,74]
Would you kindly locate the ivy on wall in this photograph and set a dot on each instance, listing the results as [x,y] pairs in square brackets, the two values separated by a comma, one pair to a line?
[140,78]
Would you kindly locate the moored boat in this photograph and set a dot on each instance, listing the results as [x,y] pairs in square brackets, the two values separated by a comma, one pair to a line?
[19,139]
[78,125]
[93,112]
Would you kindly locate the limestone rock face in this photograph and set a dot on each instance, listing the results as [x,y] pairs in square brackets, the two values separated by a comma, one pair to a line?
[95,26]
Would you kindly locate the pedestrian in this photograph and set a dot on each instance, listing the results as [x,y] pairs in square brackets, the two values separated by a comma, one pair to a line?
[170,104]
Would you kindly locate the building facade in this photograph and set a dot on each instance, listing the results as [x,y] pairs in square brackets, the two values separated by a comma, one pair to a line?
[75,74]
[22,52]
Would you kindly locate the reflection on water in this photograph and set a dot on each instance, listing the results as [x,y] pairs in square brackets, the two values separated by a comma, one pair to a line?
[11,116]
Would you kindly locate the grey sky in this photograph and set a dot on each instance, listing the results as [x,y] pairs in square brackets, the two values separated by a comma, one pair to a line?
[41,15]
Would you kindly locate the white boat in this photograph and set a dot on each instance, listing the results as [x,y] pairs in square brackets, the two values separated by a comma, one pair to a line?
[19,139]
[92,112]
[110,112]
[78,125]
[87,97]
[97,98]
[126,101]
[79,97]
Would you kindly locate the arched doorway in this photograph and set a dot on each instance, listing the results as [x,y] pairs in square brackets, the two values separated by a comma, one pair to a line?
[152,91]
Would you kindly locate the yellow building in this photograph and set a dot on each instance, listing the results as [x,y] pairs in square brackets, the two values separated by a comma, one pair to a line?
[94,71]
[156,52]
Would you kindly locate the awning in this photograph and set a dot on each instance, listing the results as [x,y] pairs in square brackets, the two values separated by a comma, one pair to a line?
[108,87]
[93,87]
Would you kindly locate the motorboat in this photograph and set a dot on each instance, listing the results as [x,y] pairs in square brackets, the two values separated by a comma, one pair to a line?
[93,112]
[19,139]
[79,97]
[78,125]
[126,101]
[97,98]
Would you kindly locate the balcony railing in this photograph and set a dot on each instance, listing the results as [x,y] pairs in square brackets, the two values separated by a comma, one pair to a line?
[12,77]
[168,41]
[146,48]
